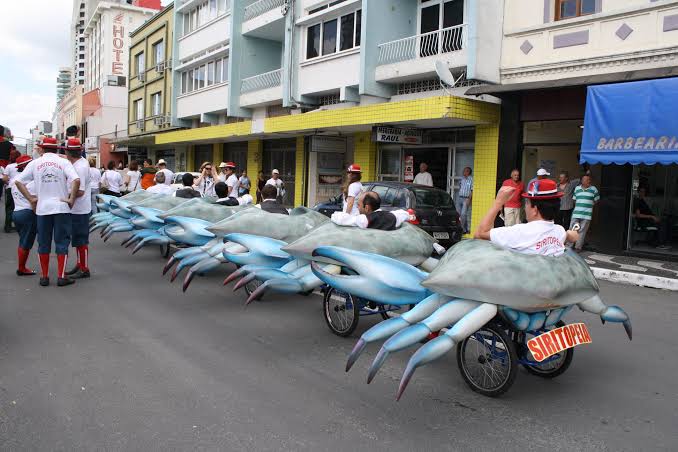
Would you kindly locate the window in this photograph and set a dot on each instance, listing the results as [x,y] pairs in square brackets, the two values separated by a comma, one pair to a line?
[158,52]
[82,48]
[343,32]
[567,9]
[156,102]
[210,73]
[200,76]
[330,4]
[140,63]
[219,68]
[202,14]
[139,109]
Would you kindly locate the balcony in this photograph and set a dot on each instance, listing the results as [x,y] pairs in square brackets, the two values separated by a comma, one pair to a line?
[262,89]
[208,36]
[396,59]
[264,19]
[213,99]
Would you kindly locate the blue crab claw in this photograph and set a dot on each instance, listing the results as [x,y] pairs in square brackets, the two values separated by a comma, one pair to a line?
[190,231]
[126,227]
[255,250]
[391,326]
[263,274]
[449,314]
[378,278]
[244,270]
[170,263]
[157,239]
[244,281]
[201,268]
[189,261]
[608,313]
[147,218]
[439,346]
[279,285]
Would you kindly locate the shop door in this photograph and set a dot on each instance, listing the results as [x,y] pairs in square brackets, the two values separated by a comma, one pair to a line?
[237,153]
[281,155]
[461,157]
[202,154]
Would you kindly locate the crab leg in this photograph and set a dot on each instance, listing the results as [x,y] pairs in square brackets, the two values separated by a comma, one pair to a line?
[437,347]
[201,268]
[607,313]
[292,285]
[157,239]
[447,315]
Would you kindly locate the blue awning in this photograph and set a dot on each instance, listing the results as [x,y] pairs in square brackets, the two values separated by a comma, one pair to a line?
[635,122]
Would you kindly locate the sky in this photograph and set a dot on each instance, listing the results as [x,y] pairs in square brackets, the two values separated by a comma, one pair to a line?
[35,43]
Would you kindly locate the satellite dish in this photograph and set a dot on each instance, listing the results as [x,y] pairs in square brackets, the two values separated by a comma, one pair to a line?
[285,7]
[447,80]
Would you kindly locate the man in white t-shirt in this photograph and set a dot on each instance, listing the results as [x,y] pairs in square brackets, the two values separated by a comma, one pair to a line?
[540,235]
[229,178]
[423,177]
[162,168]
[25,220]
[278,184]
[160,187]
[52,175]
[81,209]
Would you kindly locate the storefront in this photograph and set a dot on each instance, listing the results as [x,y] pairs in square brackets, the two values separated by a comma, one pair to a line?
[327,162]
[281,155]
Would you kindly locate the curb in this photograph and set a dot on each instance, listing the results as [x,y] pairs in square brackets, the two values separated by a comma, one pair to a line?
[637,279]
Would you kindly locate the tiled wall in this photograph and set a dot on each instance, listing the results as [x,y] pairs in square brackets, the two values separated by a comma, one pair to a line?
[485,171]
[300,173]
[365,155]
[255,149]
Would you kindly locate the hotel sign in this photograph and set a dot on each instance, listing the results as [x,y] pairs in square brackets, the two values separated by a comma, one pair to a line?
[118,44]
[385,134]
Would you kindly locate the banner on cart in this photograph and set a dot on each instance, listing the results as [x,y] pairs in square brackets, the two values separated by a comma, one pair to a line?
[558,340]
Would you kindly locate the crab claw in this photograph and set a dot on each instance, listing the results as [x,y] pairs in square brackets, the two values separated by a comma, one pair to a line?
[608,313]
[255,250]
[279,285]
[122,227]
[156,239]
[378,278]
[244,281]
[437,347]
[191,231]
[201,268]
[189,261]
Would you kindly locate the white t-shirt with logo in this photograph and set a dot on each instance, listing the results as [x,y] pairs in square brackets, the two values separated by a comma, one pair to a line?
[94,179]
[536,237]
[234,183]
[11,171]
[83,204]
[113,179]
[52,176]
[353,191]
[169,176]
[20,202]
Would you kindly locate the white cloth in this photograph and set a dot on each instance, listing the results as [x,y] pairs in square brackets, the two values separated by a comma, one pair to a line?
[83,204]
[536,237]
[169,175]
[206,187]
[360,220]
[233,183]
[94,179]
[424,178]
[20,202]
[11,171]
[160,189]
[354,191]
[113,180]
[278,184]
[52,176]
[134,183]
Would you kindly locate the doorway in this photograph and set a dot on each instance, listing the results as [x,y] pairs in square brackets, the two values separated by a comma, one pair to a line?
[281,155]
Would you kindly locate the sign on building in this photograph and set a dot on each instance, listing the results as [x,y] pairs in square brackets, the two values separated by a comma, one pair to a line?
[385,134]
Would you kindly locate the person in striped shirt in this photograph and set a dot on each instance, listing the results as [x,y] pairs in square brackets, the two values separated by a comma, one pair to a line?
[464,199]
[585,197]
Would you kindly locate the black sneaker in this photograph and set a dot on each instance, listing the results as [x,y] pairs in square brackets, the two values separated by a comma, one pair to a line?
[80,274]
[61,282]
[44,282]
[73,271]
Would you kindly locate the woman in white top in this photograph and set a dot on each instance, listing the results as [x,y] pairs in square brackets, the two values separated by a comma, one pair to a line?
[133,177]
[205,183]
[94,180]
[111,180]
[352,189]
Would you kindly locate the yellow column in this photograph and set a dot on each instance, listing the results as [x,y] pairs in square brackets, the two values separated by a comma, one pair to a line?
[365,155]
[254,150]
[217,154]
[484,171]
[299,173]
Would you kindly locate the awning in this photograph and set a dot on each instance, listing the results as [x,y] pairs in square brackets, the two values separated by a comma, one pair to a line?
[634,123]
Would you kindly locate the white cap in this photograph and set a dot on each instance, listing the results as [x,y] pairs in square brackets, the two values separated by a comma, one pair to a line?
[222,165]
[162,162]
[542,172]
[275,171]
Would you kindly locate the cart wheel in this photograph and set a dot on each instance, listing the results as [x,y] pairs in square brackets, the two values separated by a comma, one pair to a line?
[251,286]
[488,361]
[388,311]
[341,312]
[556,365]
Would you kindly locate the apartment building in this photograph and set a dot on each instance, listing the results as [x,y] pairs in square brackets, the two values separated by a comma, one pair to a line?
[569,70]
[305,86]
[77,31]
[150,90]
[64,81]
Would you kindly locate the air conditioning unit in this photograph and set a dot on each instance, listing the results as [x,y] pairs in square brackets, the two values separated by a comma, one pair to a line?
[160,67]
[168,120]
[168,64]
[159,120]
[140,124]
[141,77]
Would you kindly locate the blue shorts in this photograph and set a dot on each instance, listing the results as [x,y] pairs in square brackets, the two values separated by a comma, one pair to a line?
[57,227]
[26,223]
[79,230]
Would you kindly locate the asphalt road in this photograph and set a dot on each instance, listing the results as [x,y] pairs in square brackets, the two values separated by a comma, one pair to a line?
[125,361]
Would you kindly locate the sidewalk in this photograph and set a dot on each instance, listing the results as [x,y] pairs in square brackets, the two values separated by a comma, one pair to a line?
[633,270]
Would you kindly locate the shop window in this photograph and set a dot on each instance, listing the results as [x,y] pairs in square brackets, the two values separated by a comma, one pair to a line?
[567,9]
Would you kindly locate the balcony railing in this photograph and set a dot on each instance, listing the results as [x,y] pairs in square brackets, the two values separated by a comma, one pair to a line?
[260,7]
[447,40]
[262,81]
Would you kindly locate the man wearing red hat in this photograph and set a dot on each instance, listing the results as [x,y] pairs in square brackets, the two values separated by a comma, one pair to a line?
[52,202]
[82,207]
[229,178]
[351,190]
[24,219]
[540,235]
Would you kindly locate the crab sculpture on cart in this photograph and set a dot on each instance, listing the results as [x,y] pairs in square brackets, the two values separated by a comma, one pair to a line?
[486,301]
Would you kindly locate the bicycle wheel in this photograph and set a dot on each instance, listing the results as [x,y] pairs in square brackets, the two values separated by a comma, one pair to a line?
[341,312]
[488,361]
[554,365]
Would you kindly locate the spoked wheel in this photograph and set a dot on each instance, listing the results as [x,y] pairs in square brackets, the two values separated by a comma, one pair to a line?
[341,312]
[388,311]
[488,361]
[552,366]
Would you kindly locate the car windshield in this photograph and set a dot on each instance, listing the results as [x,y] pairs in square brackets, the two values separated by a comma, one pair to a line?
[431,198]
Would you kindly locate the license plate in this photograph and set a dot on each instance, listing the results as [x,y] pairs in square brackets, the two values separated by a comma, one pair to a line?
[441,235]
[558,340]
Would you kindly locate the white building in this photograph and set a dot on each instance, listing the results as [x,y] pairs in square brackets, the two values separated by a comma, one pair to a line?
[77,31]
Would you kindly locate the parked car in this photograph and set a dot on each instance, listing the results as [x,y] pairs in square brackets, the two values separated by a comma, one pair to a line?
[433,208]
[177,184]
